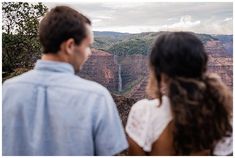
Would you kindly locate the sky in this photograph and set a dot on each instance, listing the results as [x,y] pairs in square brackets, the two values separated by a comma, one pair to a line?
[199,17]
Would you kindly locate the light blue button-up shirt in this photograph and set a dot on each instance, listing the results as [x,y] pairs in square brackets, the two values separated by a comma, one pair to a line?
[51,111]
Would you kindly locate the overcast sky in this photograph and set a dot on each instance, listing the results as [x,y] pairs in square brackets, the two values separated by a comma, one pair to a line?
[210,17]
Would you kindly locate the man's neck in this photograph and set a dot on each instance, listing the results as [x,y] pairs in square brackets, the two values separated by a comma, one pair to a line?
[53,57]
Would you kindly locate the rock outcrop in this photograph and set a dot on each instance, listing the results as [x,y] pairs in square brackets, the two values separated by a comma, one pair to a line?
[102,68]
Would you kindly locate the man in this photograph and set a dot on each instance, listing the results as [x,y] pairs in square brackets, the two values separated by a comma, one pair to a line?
[51,111]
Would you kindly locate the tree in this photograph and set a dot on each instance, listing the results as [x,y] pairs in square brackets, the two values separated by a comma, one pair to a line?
[20,33]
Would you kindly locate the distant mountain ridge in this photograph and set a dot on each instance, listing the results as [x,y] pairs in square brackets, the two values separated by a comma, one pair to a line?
[123,44]
[109,33]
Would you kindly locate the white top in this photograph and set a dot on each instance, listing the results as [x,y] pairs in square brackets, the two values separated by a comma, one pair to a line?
[147,121]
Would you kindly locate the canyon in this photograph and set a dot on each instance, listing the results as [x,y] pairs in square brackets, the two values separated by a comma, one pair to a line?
[126,75]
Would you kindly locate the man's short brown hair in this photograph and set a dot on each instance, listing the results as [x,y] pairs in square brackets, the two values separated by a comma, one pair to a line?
[60,24]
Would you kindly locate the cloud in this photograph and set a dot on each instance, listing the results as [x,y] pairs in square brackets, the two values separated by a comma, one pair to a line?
[136,17]
[185,22]
[105,17]
[228,19]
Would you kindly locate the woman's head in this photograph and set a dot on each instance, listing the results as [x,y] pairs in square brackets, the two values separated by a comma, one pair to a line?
[178,54]
[200,102]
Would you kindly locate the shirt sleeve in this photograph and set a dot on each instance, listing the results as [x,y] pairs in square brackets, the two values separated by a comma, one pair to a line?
[146,122]
[136,127]
[225,145]
[109,138]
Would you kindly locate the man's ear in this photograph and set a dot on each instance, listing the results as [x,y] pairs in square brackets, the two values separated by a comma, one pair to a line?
[68,46]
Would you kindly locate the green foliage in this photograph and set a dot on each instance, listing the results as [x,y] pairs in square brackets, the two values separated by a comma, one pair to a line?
[21,46]
[129,47]
[128,44]
[105,40]
[22,17]
[19,51]
[103,43]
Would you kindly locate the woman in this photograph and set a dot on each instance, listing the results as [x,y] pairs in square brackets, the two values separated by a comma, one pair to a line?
[192,110]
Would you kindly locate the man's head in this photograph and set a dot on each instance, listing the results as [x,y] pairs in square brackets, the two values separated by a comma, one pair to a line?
[66,35]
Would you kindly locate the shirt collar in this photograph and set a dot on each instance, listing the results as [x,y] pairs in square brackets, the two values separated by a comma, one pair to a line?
[54,66]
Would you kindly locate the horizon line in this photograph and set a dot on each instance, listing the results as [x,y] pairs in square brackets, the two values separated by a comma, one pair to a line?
[159,31]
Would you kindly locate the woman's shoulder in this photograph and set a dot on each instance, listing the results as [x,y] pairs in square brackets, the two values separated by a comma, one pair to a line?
[153,106]
[147,120]
[144,104]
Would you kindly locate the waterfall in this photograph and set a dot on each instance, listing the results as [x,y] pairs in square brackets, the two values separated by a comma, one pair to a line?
[119,78]
[115,57]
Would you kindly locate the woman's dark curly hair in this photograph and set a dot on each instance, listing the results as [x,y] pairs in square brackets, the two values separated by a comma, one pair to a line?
[201,103]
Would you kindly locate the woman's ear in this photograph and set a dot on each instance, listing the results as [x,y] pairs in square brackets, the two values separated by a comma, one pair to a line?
[165,79]
[164,84]
[152,87]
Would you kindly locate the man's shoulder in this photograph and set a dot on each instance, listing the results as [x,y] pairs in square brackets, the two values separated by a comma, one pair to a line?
[72,82]
[17,79]
[89,86]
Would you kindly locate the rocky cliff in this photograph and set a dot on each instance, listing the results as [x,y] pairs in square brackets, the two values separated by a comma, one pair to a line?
[102,68]
[126,74]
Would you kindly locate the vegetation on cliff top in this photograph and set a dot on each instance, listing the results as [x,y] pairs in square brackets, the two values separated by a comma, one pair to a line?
[129,44]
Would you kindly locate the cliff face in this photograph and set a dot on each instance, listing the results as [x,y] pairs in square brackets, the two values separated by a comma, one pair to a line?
[124,105]
[102,68]
[217,49]
[134,68]
[220,61]
[224,67]
[127,75]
